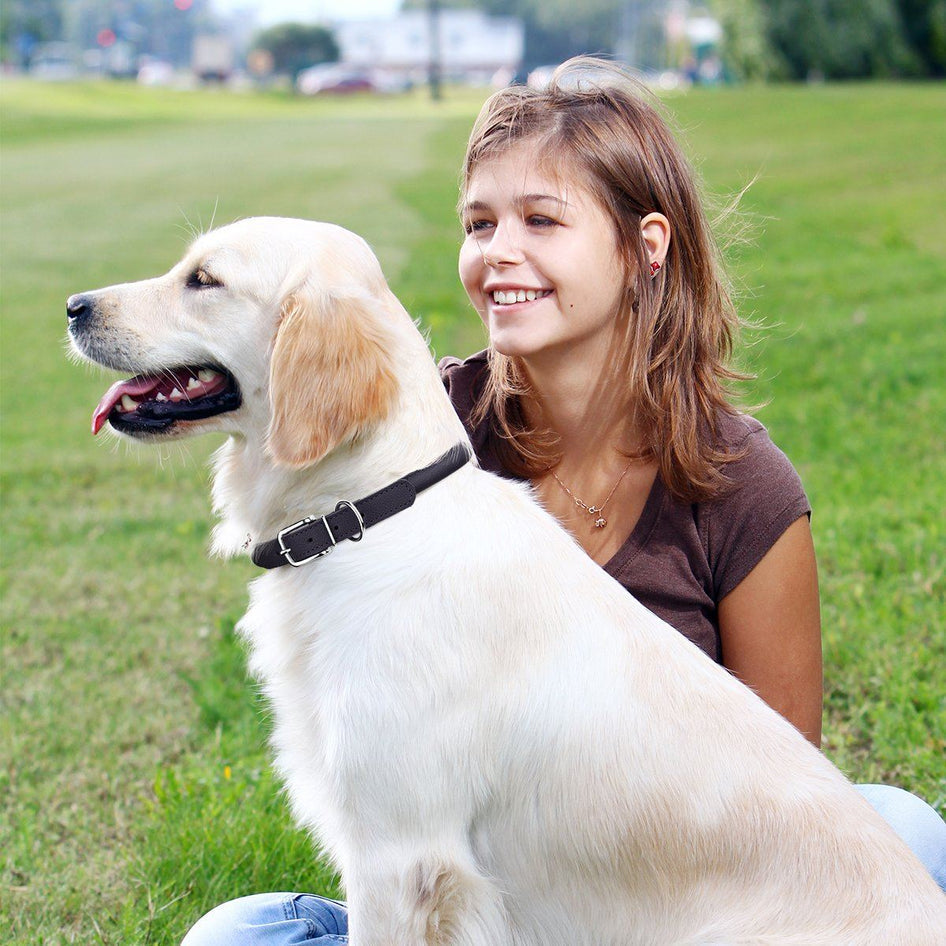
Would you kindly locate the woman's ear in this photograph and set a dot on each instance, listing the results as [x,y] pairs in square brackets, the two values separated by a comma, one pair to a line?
[655,232]
[330,375]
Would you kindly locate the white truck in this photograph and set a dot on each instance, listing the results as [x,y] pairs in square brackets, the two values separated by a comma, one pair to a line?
[212,58]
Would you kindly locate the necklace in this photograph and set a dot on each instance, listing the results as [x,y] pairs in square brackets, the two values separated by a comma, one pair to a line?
[594,511]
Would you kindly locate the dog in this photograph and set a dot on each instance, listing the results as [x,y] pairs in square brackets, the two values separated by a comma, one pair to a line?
[494,742]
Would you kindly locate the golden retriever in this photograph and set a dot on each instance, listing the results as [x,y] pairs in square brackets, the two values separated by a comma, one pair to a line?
[495,743]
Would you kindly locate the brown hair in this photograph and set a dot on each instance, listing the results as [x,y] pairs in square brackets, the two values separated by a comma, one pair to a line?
[593,119]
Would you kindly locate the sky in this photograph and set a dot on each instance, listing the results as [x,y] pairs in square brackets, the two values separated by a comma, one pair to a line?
[301,11]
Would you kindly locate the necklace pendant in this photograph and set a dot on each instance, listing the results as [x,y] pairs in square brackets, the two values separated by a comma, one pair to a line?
[600,522]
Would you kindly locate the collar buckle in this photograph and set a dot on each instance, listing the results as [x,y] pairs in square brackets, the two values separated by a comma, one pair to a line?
[286,552]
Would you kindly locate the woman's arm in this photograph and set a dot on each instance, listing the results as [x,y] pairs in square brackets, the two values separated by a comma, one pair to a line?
[770,627]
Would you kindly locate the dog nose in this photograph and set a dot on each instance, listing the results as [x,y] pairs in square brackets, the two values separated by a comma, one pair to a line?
[78,307]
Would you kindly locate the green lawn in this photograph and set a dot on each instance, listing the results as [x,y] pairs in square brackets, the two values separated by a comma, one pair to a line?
[135,782]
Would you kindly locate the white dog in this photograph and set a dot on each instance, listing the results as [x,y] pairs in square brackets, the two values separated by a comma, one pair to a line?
[494,741]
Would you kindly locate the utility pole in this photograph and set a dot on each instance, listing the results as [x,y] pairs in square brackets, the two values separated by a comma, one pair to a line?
[434,62]
[627,48]
[641,41]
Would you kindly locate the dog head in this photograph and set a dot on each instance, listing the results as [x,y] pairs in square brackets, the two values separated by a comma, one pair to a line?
[270,328]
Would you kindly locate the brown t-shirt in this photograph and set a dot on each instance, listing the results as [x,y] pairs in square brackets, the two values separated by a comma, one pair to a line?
[681,559]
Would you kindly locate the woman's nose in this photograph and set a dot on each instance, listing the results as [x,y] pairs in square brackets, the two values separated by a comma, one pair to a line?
[503,246]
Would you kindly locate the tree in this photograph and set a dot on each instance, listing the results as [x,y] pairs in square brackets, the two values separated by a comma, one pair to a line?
[745,49]
[296,46]
[840,39]
[24,23]
[924,23]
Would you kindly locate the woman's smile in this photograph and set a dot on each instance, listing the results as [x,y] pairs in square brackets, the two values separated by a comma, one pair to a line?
[507,297]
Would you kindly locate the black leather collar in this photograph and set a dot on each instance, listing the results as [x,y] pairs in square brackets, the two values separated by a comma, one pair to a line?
[315,536]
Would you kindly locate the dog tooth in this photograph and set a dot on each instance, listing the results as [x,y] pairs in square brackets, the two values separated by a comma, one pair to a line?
[160,397]
[176,395]
[207,375]
[129,403]
[192,383]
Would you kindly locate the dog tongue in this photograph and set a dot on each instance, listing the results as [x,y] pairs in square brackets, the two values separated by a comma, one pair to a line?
[133,387]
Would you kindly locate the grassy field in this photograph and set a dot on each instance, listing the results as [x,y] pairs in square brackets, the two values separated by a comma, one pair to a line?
[135,785]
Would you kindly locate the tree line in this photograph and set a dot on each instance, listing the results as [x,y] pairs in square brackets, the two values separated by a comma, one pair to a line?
[762,39]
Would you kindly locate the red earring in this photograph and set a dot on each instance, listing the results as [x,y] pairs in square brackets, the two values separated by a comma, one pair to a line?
[653,268]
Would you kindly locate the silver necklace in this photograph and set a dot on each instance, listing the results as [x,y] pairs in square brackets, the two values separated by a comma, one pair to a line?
[595,511]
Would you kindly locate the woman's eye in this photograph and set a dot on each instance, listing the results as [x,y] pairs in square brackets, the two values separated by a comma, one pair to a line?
[201,279]
[477,226]
[538,220]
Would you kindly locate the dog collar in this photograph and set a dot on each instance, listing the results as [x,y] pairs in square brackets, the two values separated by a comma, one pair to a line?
[315,536]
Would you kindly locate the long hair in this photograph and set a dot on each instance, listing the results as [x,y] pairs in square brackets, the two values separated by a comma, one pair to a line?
[593,124]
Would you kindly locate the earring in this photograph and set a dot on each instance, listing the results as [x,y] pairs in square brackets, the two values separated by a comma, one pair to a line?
[654,267]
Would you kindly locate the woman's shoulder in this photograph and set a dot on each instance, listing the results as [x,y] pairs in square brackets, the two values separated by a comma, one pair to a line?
[735,430]
[454,370]
[464,379]
[754,455]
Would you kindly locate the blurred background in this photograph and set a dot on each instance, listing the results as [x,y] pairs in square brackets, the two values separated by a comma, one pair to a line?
[321,46]
[135,783]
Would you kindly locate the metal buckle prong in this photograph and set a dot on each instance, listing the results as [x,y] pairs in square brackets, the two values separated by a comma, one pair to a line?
[287,552]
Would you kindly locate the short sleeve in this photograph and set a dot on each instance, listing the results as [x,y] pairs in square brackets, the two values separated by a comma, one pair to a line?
[767,497]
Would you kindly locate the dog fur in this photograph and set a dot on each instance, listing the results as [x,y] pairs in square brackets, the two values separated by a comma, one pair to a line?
[496,744]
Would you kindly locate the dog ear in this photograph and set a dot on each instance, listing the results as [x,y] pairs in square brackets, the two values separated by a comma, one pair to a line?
[330,375]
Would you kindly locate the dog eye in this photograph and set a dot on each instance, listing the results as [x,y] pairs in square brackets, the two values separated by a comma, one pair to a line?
[201,279]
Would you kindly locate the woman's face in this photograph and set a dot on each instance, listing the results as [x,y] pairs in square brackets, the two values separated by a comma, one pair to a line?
[540,261]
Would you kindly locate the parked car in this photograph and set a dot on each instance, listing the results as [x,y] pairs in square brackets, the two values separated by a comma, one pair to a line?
[55,62]
[333,79]
[156,72]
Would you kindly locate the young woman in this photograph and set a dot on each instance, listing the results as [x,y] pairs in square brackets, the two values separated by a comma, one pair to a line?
[589,258]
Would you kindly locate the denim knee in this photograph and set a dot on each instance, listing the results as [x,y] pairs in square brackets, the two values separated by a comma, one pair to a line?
[916,822]
[271,919]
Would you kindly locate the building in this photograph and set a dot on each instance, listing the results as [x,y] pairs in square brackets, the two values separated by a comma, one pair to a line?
[473,47]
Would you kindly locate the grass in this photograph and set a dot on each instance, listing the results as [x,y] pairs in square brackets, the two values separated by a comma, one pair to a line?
[135,779]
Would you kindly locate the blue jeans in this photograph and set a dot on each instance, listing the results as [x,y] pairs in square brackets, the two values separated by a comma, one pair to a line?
[285,919]
[272,919]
